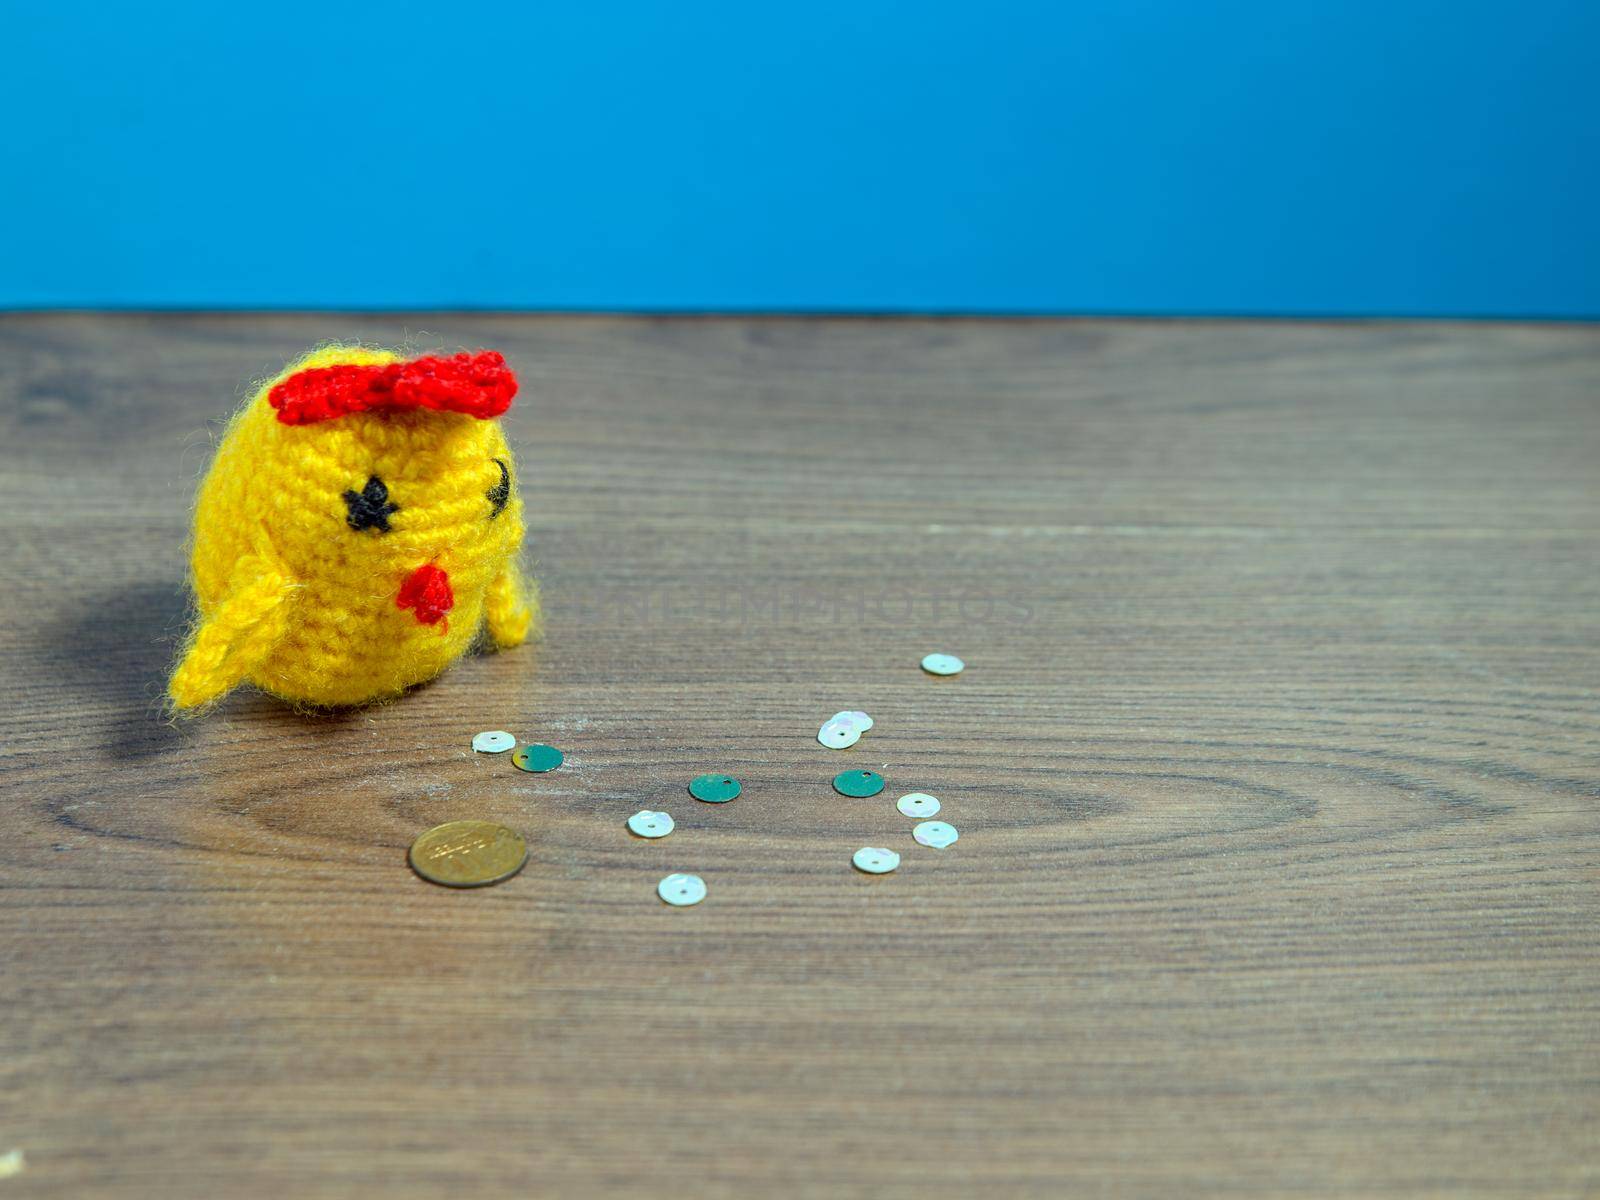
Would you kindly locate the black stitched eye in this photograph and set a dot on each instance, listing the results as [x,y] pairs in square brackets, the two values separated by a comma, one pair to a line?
[500,494]
[370,507]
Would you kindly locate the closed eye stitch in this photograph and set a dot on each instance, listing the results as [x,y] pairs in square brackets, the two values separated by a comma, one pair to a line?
[500,494]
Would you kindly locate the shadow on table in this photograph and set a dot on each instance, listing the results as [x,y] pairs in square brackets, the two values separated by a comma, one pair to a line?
[111,653]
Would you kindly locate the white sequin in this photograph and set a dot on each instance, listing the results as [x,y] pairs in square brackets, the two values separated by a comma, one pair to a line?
[875,860]
[838,735]
[682,890]
[855,717]
[936,834]
[493,741]
[943,664]
[918,804]
[649,824]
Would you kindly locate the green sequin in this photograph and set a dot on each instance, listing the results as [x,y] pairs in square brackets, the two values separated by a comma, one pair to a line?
[714,789]
[537,758]
[858,783]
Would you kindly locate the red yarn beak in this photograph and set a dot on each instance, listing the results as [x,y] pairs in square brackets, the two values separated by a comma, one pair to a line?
[427,592]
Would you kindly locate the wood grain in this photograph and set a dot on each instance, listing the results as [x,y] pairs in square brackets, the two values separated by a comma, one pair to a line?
[1275,764]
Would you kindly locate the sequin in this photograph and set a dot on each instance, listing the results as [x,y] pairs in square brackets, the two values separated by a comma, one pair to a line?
[649,824]
[714,789]
[918,804]
[682,890]
[858,783]
[838,735]
[935,834]
[943,664]
[854,717]
[875,860]
[493,741]
[537,758]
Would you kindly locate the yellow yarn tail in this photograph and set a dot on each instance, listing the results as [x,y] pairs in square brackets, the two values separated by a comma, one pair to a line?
[234,639]
[512,608]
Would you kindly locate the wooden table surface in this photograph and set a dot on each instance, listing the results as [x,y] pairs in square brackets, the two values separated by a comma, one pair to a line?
[1275,764]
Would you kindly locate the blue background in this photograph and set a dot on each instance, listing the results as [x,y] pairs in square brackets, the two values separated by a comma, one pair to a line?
[1136,156]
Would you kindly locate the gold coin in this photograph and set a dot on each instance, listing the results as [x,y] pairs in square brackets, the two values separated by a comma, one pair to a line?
[467,854]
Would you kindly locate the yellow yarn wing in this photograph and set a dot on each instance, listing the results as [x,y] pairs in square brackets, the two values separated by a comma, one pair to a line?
[511,609]
[235,636]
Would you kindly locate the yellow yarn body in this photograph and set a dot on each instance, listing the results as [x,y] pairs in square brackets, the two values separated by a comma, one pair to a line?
[295,600]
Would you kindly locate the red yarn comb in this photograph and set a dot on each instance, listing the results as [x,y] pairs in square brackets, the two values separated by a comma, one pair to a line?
[480,385]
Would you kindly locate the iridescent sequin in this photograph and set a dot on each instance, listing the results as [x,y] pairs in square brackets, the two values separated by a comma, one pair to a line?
[680,891]
[649,824]
[918,804]
[875,860]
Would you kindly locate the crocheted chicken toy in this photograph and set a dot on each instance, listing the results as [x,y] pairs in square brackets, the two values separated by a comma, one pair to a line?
[358,527]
